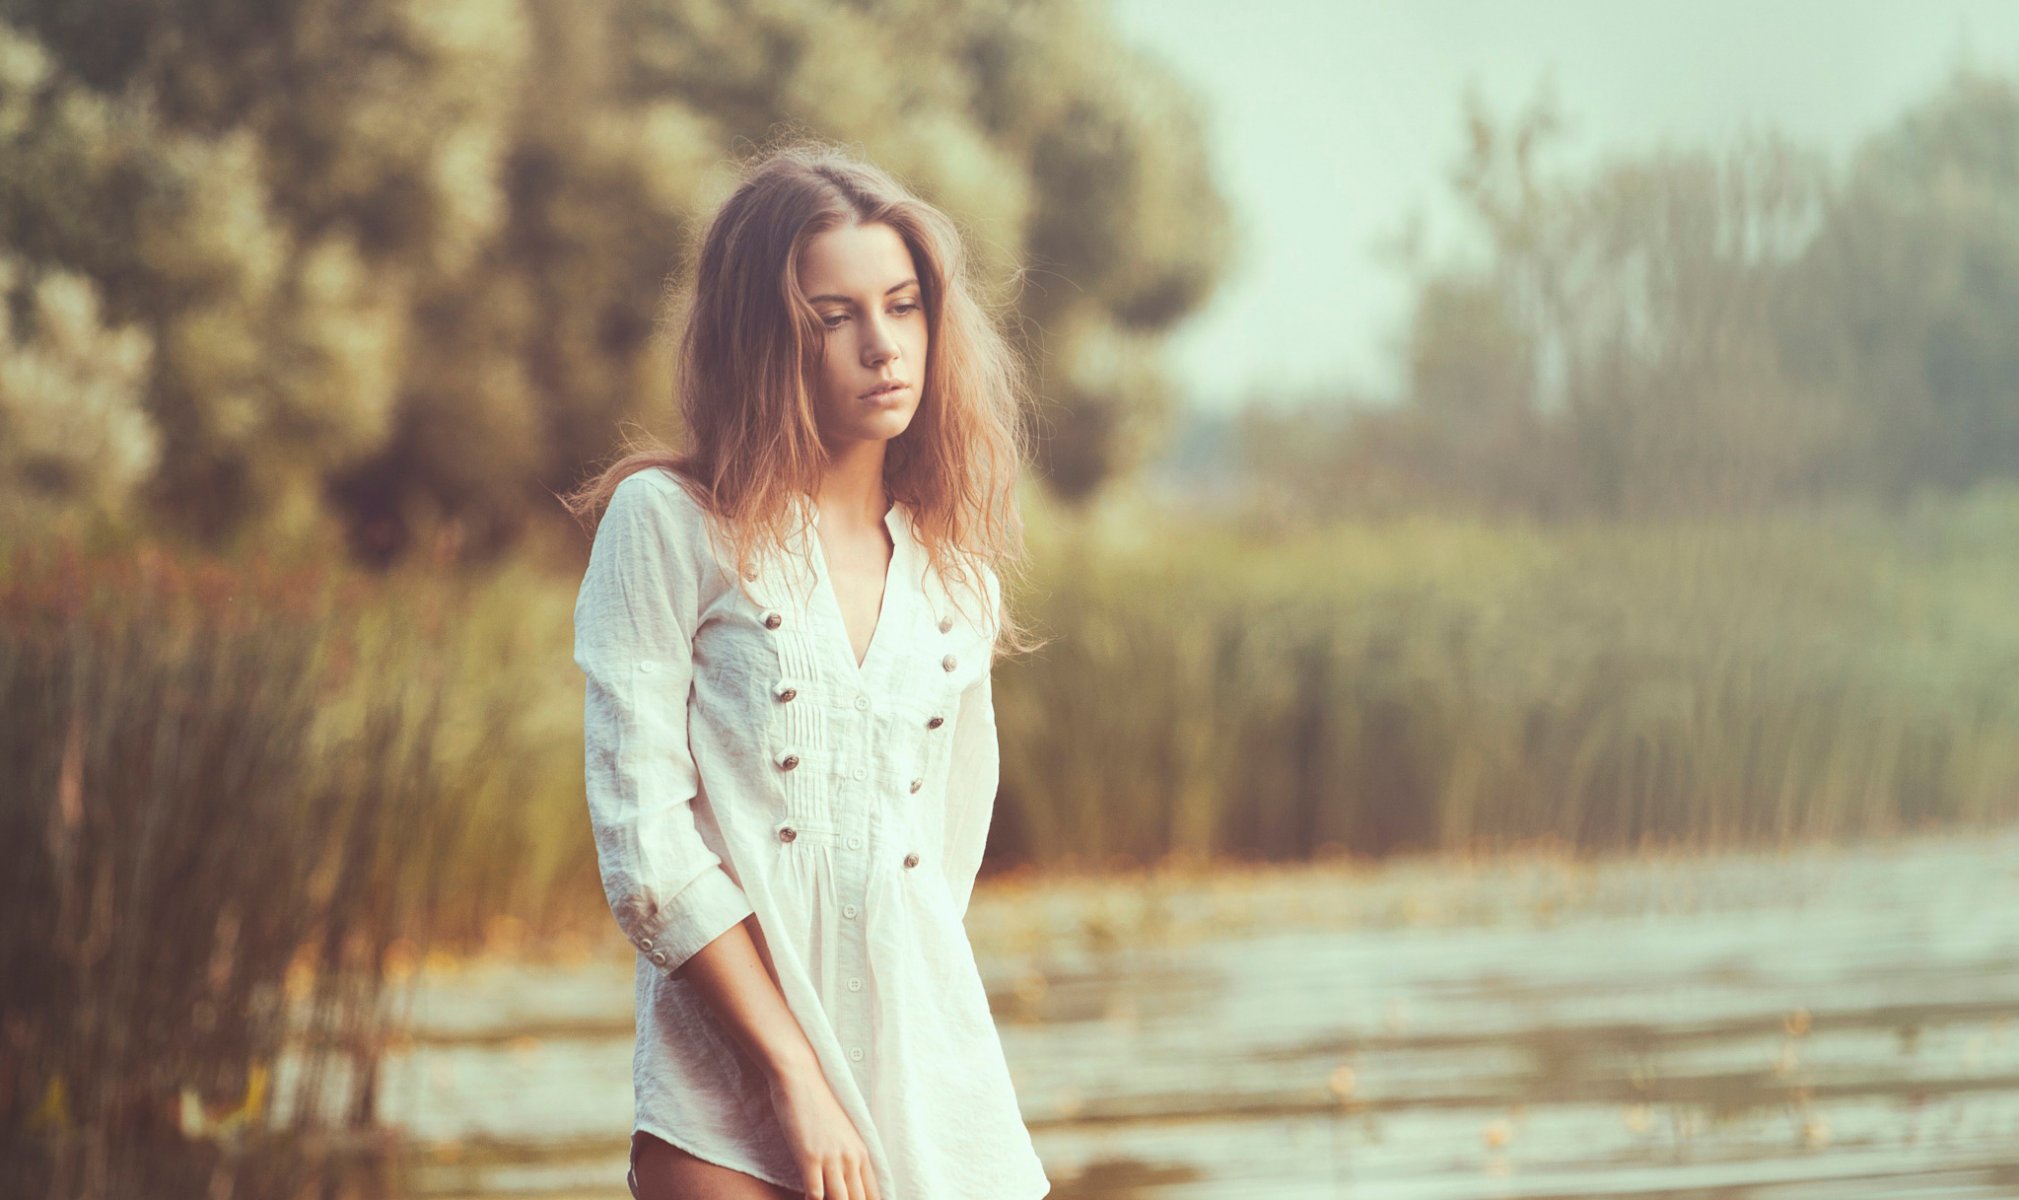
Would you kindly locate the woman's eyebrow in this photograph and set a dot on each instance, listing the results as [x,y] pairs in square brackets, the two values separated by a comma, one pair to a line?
[898,287]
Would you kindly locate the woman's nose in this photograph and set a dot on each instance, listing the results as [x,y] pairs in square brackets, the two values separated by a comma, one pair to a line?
[880,347]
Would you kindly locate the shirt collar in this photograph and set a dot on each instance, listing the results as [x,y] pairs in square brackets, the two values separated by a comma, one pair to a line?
[897,519]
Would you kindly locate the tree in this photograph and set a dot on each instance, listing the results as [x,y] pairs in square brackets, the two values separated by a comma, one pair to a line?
[402,260]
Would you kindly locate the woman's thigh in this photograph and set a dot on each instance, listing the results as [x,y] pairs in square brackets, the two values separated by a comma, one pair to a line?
[666,1172]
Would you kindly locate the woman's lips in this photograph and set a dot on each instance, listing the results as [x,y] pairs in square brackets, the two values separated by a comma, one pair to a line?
[886,392]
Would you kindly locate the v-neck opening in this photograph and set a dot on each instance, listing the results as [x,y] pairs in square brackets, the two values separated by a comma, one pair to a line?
[892,519]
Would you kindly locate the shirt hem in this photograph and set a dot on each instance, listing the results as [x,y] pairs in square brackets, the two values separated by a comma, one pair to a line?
[659,1131]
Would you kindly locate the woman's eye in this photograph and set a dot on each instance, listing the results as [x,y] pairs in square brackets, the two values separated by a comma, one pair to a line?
[908,306]
[834,320]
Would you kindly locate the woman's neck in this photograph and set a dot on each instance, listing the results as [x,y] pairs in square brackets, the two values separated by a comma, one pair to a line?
[852,491]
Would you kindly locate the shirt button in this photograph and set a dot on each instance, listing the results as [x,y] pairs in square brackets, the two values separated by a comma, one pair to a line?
[935,723]
[855,985]
[949,662]
[645,668]
[645,943]
[860,773]
[789,761]
[786,833]
[855,1053]
[862,702]
[854,843]
[911,860]
[788,694]
[750,573]
[772,620]
[848,910]
[659,956]
[917,784]
[946,624]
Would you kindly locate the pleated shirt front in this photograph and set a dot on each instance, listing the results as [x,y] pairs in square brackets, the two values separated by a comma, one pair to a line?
[741,761]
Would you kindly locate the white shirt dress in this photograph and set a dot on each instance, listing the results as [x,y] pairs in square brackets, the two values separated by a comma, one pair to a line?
[739,761]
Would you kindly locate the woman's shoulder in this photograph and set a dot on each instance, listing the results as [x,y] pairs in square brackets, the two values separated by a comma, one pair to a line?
[659,484]
[659,496]
[659,505]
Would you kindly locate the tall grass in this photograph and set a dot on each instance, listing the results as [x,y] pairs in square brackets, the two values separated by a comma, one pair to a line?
[240,798]
[231,788]
[1430,684]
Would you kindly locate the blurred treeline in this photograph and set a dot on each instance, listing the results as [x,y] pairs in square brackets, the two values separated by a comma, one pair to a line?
[395,265]
[1694,330]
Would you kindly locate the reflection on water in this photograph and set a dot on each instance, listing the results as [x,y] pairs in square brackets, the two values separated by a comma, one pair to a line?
[1832,1023]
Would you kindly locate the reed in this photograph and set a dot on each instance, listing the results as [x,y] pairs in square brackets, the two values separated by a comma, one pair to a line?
[1432,684]
[231,788]
[244,796]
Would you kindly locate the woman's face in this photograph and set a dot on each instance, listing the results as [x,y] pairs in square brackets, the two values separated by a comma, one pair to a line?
[864,286]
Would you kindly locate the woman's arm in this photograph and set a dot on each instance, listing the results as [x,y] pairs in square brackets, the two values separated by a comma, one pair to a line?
[634,628]
[825,1143]
[973,773]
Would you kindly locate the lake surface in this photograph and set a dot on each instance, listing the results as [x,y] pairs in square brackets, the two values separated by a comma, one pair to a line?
[1825,1023]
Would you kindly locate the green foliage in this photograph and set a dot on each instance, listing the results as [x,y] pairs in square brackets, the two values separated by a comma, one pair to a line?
[402,259]
[73,433]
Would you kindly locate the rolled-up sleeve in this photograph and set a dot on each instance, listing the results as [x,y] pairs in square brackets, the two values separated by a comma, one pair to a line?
[973,773]
[635,615]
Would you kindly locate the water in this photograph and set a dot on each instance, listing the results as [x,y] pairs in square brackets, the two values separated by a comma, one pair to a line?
[1829,1023]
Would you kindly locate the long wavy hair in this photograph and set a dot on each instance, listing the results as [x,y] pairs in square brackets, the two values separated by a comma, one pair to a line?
[750,344]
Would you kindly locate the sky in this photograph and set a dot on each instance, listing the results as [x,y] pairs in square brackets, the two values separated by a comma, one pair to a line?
[1330,121]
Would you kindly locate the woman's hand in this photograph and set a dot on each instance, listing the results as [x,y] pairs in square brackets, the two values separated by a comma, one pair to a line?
[830,1152]
[734,972]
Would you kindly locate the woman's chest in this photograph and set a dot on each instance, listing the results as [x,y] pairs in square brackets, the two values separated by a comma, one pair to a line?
[780,648]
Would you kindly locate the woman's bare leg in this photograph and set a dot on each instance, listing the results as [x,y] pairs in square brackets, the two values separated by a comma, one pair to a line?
[666,1172]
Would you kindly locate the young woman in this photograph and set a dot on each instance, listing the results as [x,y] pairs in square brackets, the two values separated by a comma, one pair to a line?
[787,633]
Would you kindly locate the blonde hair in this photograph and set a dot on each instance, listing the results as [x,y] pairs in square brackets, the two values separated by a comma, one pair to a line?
[750,344]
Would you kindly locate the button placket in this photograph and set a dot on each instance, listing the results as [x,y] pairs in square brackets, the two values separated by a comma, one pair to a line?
[851,945]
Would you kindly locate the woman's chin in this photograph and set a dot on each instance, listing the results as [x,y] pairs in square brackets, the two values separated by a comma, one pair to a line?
[876,427]
[889,422]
